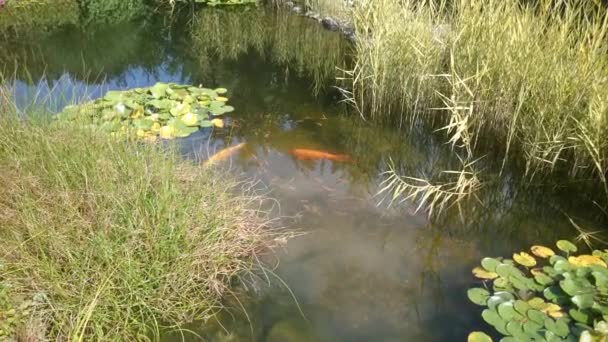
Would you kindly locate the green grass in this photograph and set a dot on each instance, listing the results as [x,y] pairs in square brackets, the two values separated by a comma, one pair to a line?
[114,241]
[528,77]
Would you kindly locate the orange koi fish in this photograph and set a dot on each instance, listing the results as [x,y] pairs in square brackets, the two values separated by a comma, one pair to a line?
[304,154]
[224,154]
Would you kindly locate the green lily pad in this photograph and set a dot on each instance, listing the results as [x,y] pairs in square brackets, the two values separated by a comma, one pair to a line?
[507,311]
[583,301]
[537,316]
[478,295]
[492,318]
[159,90]
[566,246]
[478,336]
[581,316]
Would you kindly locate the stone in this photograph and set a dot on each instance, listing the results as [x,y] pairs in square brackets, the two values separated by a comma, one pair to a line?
[330,24]
[297,9]
[313,15]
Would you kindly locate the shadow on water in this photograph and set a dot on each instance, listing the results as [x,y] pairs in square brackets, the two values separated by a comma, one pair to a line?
[360,272]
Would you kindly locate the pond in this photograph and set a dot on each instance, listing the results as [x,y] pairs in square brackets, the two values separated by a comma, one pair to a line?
[358,270]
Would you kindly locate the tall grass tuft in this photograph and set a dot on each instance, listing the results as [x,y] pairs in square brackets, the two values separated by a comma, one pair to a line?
[116,241]
[530,76]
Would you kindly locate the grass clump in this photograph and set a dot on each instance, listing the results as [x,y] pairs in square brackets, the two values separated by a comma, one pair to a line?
[115,241]
[528,77]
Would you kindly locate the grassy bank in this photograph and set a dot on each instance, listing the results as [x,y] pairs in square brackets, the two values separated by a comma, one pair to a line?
[101,240]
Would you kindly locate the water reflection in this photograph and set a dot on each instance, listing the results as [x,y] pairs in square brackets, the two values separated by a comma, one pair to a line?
[361,272]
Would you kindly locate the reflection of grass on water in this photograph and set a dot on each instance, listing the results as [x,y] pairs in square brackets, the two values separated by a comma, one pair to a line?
[290,41]
[111,240]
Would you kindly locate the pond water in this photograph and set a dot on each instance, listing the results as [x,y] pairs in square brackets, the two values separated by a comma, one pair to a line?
[359,271]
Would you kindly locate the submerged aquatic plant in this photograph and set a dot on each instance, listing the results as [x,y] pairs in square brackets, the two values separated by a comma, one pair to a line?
[543,295]
[165,110]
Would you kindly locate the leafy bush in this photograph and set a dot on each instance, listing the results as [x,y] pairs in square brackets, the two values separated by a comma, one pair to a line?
[544,296]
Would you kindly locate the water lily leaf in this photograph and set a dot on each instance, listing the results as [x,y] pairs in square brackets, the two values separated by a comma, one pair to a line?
[206,123]
[478,295]
[228,109]
[542,251]
[167,132]
[221,99]
[524,259]
[553,293]
[478,272]
[521,307]
[162,104]
[536,316]
[181,129]
[562,266]
[507,311]
[221,91]
[219,123]
[216,111]
[543,279]
[566,246]
[536,303]
[506,270]
[586,260]
[581,316]
[492,318]
[159,90]
[190,119]
[501,283]
[532,327]
[552,310]
[144,123]
[490,264]
[554,259]
[478,336]
[180,109]
[583,301]
[515,328]
[114,96]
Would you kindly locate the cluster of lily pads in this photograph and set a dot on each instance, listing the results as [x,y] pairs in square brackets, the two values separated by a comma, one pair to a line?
[165,110]
[542,295]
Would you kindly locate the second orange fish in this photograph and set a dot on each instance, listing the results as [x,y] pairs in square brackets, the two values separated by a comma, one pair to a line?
[305,154]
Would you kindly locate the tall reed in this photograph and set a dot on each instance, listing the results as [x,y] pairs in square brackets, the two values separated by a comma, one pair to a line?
[530,76]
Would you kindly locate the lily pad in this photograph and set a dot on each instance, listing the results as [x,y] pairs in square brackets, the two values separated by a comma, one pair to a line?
[524,259]
[165,110]
[478,336]
[478,295]
[542,251]
[566,246]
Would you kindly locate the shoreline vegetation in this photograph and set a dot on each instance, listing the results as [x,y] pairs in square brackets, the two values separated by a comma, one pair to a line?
[524,82]
[105,240]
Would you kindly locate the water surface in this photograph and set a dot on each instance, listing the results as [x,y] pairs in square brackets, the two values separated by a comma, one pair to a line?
[360,271]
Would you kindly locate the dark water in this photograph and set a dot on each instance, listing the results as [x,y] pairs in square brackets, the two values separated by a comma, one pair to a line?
[361,271]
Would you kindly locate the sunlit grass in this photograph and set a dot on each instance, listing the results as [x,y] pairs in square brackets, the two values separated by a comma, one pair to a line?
[120,241]
[533,77]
